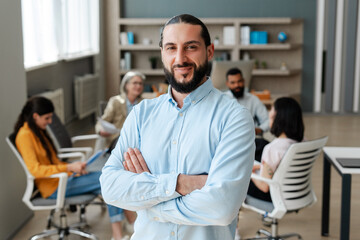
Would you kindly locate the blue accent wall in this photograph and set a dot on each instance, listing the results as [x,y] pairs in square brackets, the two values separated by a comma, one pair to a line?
[305,9]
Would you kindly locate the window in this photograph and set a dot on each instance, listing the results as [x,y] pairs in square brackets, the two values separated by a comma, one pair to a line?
[54,30]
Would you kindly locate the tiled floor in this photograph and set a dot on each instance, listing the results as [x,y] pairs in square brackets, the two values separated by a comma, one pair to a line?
[342,131]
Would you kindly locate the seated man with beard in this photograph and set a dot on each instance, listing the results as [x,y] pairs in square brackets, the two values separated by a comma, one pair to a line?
[236,84]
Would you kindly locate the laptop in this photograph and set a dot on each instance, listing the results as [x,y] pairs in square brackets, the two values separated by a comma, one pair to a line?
[97,161]
[349,162]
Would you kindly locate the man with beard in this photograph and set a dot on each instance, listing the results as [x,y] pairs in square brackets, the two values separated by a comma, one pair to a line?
[183,160]
[236,84]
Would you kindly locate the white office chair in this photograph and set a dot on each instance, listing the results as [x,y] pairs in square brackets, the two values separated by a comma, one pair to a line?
[62,140]
[290,188]
[101,107]
[35,202]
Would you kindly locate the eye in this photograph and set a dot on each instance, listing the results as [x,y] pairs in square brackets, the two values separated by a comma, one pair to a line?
[191,47]
[170,48]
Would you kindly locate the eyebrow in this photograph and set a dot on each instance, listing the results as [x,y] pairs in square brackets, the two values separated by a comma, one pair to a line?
[186,43]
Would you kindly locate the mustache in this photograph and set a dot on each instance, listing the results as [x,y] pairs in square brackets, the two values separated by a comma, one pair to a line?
[238,89]
[183,65]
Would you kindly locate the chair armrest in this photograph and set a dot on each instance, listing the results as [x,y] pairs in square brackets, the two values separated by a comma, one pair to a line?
[60,197]
[269,181]
[274,188]
[72,155]
[84,137]
[86,150]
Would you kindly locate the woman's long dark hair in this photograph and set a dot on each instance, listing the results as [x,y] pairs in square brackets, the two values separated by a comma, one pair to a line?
[41,106]
[288,119]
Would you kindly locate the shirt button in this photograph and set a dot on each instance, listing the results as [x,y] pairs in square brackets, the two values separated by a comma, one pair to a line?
[142,197]
[172,171]
[167,192]
[193,102]
[181,114]
[172,233]
[156,218]
[174,142]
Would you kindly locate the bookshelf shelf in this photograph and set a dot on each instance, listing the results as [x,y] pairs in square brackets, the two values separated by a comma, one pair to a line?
[275,72]
[271,46]
[273,54]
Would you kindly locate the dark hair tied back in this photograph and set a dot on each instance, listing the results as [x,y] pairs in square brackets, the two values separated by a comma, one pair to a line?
[189,19]
[41,106]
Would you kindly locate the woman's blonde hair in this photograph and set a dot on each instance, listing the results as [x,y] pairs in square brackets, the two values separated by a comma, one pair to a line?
[127,77]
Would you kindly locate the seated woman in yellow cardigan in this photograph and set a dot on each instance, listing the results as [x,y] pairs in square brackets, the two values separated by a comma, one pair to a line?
[39,154]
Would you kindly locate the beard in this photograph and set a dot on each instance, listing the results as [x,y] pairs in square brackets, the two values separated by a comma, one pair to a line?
[238,92]
[187,87]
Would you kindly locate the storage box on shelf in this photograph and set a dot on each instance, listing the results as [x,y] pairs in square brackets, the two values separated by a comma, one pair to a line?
[146,33]
[279,80]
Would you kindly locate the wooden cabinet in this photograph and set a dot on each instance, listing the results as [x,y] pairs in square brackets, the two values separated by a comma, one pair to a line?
[146,33]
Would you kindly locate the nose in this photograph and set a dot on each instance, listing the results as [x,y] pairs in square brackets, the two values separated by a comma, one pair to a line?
[180,56]
[240,83]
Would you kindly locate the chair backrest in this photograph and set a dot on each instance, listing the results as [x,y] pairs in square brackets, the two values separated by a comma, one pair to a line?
[29,191]
[102,106]
[220,68]
[58,133]
[295,189]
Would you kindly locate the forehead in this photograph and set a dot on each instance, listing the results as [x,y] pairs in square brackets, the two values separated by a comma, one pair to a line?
[46,115]
[182,32]
[136,79]
[235,77]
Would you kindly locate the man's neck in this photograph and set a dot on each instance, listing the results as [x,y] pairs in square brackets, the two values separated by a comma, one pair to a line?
[179,97]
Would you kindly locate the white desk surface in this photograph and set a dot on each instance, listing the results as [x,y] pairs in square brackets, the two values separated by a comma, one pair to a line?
[343,152]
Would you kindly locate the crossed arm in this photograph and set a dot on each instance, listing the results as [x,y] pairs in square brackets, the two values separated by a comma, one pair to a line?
[212,199]
[134,162]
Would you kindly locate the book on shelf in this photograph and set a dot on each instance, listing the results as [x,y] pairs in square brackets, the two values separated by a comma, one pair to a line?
[127,56]
[123,38]
[245,35]
[229,35]
[130,36]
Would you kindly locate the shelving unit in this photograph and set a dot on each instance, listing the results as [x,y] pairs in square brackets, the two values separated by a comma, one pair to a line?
[274,53]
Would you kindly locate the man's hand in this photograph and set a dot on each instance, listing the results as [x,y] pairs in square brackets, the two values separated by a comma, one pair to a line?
[188,183]
[134,161]
[258,131]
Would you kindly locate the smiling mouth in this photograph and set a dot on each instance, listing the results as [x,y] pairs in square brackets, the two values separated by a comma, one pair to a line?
[183,69]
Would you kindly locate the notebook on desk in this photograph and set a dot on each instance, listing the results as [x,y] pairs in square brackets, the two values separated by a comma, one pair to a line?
[349,162]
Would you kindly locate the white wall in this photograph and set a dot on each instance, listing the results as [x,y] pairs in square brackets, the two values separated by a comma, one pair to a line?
[13,212]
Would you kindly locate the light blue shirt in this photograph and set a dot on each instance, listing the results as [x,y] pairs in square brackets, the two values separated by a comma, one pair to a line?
[211,134]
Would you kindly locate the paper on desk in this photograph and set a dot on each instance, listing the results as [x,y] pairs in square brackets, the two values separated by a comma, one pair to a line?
[108,127]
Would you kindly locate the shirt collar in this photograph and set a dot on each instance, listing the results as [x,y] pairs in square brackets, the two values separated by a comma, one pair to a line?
[196,95]
[130,104]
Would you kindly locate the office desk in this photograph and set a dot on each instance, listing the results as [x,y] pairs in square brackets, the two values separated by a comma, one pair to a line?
[330,155]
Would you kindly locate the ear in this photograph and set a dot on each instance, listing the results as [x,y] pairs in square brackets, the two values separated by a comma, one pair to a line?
[210,51]
[227,83]
[35,116]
